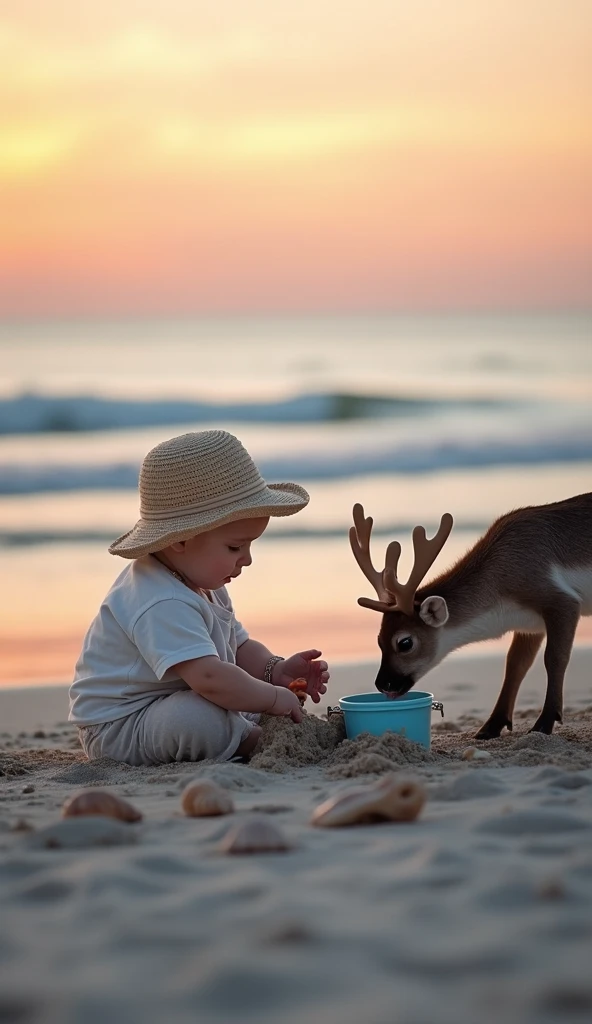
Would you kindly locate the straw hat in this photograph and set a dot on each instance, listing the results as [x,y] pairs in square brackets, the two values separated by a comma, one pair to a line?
[196,482]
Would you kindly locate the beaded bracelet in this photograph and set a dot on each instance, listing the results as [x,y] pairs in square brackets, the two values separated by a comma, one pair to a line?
[268,670]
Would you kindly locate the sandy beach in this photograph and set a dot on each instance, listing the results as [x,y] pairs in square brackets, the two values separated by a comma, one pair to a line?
[351,242]
[479,910]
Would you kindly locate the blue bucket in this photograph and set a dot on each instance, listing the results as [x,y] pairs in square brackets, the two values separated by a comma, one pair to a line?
[376,714]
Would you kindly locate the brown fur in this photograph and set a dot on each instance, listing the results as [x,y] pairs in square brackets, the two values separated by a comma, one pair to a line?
[499,585]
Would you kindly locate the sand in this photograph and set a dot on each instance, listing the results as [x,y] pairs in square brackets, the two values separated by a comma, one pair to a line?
[479,911]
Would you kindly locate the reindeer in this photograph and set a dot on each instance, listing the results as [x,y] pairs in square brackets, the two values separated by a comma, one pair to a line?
[530,574]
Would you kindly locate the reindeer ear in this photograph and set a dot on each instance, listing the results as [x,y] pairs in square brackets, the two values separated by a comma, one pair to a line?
[434,611]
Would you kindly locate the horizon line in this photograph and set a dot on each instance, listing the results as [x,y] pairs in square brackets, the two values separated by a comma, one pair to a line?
[266,313]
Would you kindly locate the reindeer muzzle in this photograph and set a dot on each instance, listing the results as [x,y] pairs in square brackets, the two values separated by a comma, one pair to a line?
[392,684]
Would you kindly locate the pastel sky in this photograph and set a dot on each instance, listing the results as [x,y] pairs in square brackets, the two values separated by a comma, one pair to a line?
[179,156]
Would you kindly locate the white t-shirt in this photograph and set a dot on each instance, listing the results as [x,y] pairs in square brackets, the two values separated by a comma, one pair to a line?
[148,622]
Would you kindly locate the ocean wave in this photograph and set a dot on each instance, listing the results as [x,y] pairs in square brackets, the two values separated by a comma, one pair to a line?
[31,538]
[42,414]
[402,456]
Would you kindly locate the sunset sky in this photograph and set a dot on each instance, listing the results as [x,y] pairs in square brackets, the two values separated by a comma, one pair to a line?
[181,156]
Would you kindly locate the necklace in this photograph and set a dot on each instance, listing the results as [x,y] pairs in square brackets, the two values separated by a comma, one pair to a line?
[176,574]
[179,576]
[173,572]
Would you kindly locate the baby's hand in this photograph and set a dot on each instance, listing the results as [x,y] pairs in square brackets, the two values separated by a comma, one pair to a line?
[304,665]
[286,703]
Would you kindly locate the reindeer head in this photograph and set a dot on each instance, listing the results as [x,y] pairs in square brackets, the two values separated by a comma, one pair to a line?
[408,635]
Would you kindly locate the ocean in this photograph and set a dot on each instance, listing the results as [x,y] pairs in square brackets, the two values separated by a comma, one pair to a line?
[411,415]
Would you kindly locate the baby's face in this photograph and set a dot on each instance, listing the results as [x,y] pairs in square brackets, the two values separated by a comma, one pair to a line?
[214,558]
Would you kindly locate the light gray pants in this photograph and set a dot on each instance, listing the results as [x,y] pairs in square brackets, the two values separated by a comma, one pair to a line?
[179,727]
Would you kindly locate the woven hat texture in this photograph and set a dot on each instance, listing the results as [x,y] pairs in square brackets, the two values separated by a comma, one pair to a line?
[195,482]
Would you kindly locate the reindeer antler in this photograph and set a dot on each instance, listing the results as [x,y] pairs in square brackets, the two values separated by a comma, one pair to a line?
[425,554]
[359,538]
[391,593]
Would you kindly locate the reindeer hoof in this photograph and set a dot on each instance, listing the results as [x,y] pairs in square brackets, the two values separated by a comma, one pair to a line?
[546,721]
[493,728]
[544,725]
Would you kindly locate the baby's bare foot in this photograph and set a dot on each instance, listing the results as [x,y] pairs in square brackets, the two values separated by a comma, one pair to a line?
[246,748]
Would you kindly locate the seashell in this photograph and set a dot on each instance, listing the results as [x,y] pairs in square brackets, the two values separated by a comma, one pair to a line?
[475,754]
[394,798]
[98,801]
[256,834]
[205,799]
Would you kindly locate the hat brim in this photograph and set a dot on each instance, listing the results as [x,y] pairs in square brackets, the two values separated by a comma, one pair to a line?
[149,536]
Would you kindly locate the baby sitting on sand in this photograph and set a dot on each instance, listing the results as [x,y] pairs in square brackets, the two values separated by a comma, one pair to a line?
[166,672]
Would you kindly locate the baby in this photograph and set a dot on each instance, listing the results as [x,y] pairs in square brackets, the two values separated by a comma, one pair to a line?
[166,672]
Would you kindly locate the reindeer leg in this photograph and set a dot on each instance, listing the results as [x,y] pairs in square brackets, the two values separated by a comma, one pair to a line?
[561,622]
[521,654]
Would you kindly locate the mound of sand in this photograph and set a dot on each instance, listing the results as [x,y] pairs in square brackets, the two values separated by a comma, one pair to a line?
[316,741]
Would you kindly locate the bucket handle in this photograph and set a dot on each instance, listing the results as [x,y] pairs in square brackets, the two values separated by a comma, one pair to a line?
[437,705]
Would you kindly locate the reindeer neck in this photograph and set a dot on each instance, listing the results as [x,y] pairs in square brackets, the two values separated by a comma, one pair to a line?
[475,608]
